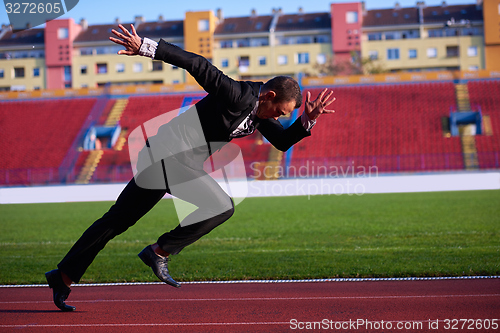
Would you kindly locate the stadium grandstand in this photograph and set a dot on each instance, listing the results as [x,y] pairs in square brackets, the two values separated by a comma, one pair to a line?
[68,104]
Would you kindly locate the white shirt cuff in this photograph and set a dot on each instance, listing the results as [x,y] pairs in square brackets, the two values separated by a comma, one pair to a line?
[306,122]
[148,48]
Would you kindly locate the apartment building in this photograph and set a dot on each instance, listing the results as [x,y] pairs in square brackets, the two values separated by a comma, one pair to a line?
[66,54]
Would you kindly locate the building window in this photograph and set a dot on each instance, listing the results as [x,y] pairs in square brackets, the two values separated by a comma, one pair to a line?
[83,69]
[262,61]
[303,58]
[157,66]
[392,35]
[36,72]
[282,60]
[412,53]
[257,42]
[304,40]
[18,72]
[101,68]
[226,44]
[321,58]
[62,33]
[243,42]
[351,17]
[373,55]
[67,74]
[203,25]
[2,73]
[472,51]
[120,68]
[473,68]
[322,39]
[392,54]
[86,51]
[452,51]
[375,36]
[137,68]
[431,52]
[244,61]
[225,62]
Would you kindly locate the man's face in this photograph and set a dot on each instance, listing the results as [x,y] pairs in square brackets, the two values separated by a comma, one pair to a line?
[268,108]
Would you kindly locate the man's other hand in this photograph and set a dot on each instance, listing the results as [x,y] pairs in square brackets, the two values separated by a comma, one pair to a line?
[317,107]
[131,41]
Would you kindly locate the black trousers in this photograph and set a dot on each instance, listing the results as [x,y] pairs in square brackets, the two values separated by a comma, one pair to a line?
[214,208]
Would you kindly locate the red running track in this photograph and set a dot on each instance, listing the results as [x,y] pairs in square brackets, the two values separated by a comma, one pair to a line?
[368,306]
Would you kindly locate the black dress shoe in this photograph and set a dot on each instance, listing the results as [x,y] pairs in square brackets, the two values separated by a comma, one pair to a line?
[158,264]
[59,289]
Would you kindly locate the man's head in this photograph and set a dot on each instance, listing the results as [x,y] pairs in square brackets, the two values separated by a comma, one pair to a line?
[278,97]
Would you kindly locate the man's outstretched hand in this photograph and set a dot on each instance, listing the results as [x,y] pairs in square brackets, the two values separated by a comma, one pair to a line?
[131,41]
[316,108]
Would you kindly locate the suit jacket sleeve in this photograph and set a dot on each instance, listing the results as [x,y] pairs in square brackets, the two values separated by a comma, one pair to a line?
[280,137]
[213,81]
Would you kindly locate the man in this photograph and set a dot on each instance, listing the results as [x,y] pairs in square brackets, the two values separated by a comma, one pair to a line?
[172,160]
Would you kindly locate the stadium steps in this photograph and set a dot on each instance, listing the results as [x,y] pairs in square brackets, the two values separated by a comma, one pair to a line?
[468,140]
[488,129]
[116,112]
[273,164]
[122,139]
[89,167]
[470,152]
[463,100]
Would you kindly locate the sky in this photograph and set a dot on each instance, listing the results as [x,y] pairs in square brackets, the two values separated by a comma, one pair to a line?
[106,11]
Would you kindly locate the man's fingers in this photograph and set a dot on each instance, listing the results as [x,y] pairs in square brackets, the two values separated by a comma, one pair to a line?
[118,34]
[308,97]
[320,96]
[133,30]
[328,102]
[118,41]
[125,52]
[124,29]
[328,96]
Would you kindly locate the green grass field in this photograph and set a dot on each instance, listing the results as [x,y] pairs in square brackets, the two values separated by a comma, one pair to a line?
[374,235]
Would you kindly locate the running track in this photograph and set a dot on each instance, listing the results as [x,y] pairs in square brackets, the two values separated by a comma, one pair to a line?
[256,307]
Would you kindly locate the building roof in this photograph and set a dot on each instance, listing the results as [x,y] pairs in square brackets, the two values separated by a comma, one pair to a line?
[155,29]
[24,37]
[433,14]
[438,14]
[162,29]
[99,32]
[310,21]
[242,25]
[391,16]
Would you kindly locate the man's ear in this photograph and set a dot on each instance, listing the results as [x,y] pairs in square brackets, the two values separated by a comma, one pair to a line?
[270,95]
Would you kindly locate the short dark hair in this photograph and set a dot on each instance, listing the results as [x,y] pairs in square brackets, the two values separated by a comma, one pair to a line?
[286,89]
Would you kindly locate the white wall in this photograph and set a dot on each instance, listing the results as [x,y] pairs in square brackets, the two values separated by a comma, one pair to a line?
[285,187]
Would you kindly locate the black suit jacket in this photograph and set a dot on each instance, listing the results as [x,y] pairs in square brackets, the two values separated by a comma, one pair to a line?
[227,104]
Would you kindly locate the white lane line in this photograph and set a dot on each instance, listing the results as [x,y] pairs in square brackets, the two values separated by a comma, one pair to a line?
[141,325]
[245,299]
[331,324]
[473,277]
